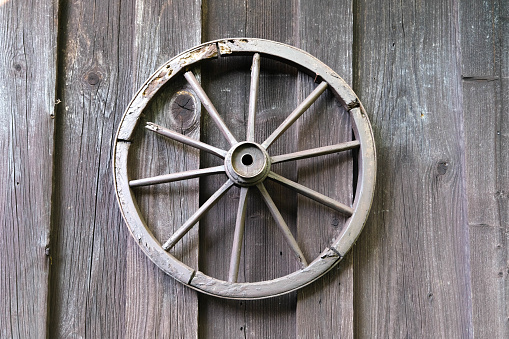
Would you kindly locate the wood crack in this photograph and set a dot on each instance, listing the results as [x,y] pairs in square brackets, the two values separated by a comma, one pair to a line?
[483,78]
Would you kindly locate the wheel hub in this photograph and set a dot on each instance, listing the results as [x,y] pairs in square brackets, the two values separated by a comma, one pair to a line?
[247,163]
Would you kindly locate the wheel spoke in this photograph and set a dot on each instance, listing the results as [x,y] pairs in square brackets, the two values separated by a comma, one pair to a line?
[303,106]
[191,79]
[185,140]
[282,224]
[197,216]
[161,179]
[314,152]
[238,236]
[323,199]
[253,96]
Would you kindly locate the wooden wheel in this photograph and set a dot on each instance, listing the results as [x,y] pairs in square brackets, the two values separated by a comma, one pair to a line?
[247,164]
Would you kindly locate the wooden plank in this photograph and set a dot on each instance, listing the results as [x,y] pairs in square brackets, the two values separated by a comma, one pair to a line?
[485,64]
[158,305]
[490,270]
[28,31]
[480,67]
[111,288]
[89,238]
[503,122]
[265,254]
[411,264]
[325,308]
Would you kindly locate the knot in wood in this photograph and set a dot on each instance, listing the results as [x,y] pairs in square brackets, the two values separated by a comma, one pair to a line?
[184,109]
[93,78]
[19,69]
[442,167]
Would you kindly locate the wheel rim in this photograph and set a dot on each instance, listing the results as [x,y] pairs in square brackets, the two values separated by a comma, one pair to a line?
[247,165]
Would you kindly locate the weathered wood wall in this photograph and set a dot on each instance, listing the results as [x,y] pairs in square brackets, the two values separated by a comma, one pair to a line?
[413,264]
[485,85]
[28,72]
[433,259]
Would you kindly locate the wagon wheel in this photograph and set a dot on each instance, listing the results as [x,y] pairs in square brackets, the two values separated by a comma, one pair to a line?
[247,164]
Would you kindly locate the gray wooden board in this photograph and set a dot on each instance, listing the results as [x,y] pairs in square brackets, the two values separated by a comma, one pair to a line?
[503,123]
[265,253]
[503,203]
[28,32]
[411,270]
[88,272]
[325,308]
[484,61]
[490,270]
[480,70]
[156,304]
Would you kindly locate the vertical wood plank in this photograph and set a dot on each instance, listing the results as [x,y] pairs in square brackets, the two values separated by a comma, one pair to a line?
[89,238]
[157,305]
[411,264]
[265,254]
[490,271]
[485,65]
[503,163]
[480,61]
[111,288]
[502,144]
[28,31]
[325,308]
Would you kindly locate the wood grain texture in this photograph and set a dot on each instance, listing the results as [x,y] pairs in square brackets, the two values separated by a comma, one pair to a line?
[411,270]
[503,130]
[28,31]
[485,65]
[265,253]
[156,304]
[490,270]
[112,289]
[325,308]
[480,70]
[89,262]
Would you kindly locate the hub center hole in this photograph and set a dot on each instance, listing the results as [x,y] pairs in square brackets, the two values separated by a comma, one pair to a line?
[247,159]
